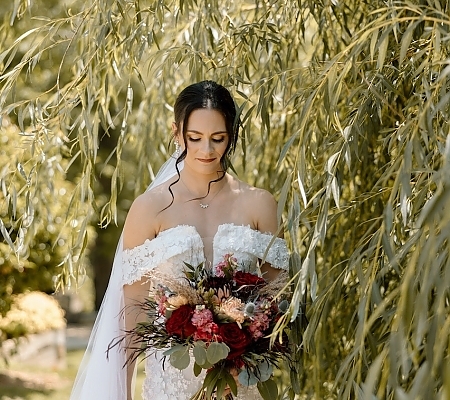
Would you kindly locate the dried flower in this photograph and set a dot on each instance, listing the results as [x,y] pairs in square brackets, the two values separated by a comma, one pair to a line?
[177,301]
[233,307]
[249,309]
[283,306]
[225,313]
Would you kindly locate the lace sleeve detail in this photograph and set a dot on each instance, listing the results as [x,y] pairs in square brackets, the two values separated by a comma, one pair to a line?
[278,254]
[175,242]
[243,239]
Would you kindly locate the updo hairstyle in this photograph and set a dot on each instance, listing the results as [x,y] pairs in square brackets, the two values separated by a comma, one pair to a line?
[209,95]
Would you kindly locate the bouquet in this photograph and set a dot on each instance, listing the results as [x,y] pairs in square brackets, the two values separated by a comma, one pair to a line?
[222,318]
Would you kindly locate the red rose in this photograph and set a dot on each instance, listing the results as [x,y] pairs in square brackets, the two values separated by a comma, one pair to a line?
[235,338]
[248,279]
[180,323]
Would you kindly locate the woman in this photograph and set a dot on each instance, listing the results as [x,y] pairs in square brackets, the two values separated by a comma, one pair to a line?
[194,211]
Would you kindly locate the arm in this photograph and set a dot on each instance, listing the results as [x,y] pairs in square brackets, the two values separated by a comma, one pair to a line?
[264,208]
[138,227]
[133,294]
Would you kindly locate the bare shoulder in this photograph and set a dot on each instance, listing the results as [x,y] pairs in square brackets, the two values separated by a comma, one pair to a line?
[254,196]
[260,205]
[142,221]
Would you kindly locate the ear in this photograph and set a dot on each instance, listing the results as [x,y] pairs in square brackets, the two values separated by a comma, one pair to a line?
[174,130]
[177,135]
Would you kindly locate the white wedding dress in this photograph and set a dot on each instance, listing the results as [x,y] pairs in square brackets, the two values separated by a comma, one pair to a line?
[167,254]
[102,375]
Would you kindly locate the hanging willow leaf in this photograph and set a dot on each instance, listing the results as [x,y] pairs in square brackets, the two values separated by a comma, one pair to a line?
[6,235]
[406,41]
[313,81]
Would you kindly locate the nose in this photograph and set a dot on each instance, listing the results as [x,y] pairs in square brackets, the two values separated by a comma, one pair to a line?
[208,146]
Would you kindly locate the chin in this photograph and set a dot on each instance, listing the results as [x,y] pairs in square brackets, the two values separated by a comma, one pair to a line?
[206,168]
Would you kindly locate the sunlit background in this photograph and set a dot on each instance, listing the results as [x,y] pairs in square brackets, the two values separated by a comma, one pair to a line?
[345,111]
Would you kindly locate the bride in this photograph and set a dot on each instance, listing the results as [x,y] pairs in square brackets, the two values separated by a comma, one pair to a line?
[194,211]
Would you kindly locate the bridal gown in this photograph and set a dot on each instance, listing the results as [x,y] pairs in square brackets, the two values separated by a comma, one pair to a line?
[166,254]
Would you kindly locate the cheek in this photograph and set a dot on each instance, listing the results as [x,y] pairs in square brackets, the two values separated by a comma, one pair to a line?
[223,147]
[191,146]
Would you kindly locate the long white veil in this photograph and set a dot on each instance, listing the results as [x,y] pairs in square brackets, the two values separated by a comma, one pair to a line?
[101,374]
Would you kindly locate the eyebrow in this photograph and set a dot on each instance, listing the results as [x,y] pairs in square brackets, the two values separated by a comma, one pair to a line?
[200,133]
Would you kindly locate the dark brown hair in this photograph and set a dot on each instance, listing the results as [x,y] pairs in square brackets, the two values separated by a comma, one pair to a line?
[209,95]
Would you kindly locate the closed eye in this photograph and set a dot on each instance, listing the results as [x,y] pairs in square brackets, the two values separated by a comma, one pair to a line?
[220,140]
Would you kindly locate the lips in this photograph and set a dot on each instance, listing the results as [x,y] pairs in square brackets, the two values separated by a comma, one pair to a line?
[206,160]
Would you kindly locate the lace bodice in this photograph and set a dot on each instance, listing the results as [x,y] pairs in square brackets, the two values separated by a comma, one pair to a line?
[167,253]
[174,246]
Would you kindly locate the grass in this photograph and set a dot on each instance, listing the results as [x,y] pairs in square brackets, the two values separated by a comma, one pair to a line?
[27,382]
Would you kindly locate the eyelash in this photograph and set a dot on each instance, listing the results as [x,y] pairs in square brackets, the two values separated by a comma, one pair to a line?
[214,140]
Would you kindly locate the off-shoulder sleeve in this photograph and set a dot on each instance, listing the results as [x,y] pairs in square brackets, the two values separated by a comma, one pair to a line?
[171,245]
[245,240]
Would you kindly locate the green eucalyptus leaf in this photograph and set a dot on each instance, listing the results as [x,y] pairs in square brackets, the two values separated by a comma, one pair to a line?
[180,359]
[216,352]
[264,371]
[199,353]
[207,365]
[247,377]
[173,349]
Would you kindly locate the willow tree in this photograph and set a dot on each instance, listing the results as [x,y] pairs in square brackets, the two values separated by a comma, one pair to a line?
[344,107]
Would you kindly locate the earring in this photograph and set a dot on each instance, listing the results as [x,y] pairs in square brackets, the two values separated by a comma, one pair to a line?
[177,149]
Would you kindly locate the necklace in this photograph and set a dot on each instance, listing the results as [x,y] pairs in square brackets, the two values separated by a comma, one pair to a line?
[204,206]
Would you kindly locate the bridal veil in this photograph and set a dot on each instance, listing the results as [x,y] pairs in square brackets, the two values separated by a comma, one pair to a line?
[102,373]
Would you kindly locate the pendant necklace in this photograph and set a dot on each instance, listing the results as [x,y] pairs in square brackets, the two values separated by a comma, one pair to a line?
[204,206]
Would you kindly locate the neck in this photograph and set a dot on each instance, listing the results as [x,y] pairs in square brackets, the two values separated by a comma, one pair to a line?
[197,184]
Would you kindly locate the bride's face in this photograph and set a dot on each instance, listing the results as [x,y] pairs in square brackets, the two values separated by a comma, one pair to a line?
[206,140]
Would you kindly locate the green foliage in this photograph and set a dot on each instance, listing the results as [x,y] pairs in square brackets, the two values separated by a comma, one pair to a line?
[379,229]
[179,357]
[36,222]
[345,108]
